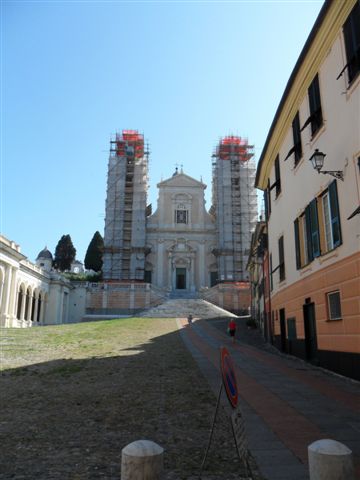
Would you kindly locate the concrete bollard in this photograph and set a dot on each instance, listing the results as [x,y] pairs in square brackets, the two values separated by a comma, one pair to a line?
[330,460]
[142,460]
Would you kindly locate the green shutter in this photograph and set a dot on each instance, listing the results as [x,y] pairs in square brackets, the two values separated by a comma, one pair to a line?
[277,176]
[334,212]
[297,244]
[308,234]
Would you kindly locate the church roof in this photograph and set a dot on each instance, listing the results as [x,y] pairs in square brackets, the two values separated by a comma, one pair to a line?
[45,253]
[180,179]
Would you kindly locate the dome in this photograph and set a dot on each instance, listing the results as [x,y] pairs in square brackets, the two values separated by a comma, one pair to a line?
[45,253]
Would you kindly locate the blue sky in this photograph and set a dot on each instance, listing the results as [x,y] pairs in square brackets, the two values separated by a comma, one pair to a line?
[182,73]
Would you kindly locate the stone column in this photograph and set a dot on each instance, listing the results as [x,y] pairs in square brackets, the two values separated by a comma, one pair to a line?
[330,460]
[5,304]
[142,460]
[2,290]
[11,313]
[160,263]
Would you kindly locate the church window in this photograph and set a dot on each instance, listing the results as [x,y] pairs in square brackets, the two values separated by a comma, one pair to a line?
[181,214]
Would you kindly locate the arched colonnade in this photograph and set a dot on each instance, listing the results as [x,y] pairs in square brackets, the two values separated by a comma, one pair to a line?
[30,304]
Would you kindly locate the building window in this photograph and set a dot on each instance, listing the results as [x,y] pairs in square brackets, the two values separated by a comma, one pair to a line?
[315,106]
[334,305]
[276,184]
[318,230]
[327,222]
[297,138]
[331,218]
[281,259]
[352,42]
[181,214]
[271,273]
[315,118]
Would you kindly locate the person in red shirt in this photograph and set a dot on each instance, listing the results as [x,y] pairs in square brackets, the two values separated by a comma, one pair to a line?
[232,329]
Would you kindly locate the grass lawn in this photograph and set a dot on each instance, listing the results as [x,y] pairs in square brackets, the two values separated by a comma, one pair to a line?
[72,396]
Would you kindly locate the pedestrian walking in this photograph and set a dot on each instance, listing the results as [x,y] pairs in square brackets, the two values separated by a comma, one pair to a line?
[232,329]
[190,318]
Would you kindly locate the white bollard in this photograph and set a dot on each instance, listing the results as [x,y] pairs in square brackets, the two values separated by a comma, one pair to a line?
[142,460]
[330,460]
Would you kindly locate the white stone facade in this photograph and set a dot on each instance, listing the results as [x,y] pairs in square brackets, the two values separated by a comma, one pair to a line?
[31,295]
[180,237]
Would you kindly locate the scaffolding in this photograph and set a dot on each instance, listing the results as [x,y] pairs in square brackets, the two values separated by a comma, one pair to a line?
[234,202]
[127,184]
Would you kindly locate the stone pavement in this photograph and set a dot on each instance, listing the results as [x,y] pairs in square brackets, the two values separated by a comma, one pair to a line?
[287,404]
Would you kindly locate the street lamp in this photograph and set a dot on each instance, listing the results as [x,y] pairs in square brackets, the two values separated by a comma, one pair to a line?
[317,160]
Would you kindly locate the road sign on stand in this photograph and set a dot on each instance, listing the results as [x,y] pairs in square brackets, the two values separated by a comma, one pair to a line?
[228,376]
[237,421]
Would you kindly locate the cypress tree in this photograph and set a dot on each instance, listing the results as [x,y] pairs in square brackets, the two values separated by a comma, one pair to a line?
[64,253]
[93,258]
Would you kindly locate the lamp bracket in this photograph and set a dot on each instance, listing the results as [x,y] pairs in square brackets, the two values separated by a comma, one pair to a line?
[334,173]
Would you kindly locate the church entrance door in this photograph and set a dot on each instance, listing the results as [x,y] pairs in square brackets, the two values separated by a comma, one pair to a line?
[181,278]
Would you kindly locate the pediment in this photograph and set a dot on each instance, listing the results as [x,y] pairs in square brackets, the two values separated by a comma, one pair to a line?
[181,180]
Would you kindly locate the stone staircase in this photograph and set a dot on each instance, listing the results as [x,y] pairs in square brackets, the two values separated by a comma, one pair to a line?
[182,307]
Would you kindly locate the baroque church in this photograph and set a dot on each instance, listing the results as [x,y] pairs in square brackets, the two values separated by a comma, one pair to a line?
[180,248]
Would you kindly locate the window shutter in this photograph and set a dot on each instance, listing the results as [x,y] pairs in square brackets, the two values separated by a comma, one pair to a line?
[297,244]
[315,238]
[308,234]
[297,138]
[281,259]
[315,105]
[266,204]
[277,175]
[352,42]
[334,211]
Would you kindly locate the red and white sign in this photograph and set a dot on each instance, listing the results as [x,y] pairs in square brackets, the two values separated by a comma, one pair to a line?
[228,376]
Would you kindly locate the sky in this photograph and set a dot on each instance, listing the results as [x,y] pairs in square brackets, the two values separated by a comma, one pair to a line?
[182,73]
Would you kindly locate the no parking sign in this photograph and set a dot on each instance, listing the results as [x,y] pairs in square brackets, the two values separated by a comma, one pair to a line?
[228,376]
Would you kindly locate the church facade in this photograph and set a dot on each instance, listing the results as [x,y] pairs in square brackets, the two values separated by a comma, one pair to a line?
[180,237]
[180,249]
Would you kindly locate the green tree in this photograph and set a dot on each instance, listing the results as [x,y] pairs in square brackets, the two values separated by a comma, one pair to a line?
[93,258]
[64,253]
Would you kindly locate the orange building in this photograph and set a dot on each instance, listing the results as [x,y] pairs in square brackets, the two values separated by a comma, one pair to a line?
[309,171]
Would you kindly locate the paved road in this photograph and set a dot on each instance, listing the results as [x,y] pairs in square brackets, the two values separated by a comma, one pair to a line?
[287,404]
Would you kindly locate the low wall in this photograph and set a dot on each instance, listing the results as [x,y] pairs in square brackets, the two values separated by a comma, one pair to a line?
[232,296]
[120,298]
